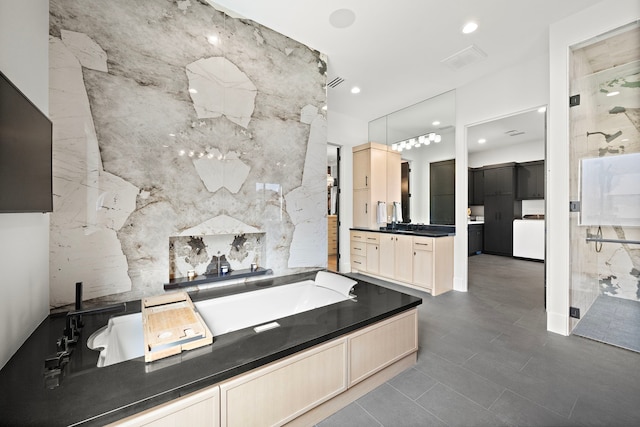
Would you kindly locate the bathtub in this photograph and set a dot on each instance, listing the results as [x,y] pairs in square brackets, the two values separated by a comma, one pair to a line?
[122,338]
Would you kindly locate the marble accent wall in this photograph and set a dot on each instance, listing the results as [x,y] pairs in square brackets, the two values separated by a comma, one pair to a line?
[601,69]
[173,119]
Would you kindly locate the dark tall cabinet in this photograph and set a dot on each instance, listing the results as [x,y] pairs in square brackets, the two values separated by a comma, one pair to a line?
[530,180]
[442,191]
[500,208]
[476,186]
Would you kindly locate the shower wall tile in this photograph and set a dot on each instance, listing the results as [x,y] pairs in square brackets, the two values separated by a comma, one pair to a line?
[173,119]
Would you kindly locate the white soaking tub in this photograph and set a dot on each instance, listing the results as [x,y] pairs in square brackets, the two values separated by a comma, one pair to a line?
[122,338]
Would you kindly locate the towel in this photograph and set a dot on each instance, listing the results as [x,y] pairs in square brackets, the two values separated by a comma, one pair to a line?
[335,282]
[396,216]
[381,213]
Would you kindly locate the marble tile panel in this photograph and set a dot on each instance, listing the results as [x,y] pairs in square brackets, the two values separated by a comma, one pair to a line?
[136,133]
[90,205]
[87,51]
[219,88]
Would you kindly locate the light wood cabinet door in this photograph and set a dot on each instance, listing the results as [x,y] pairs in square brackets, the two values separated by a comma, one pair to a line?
[381,344]
[373,258]
[361,169]
[278,393]
[361,208]
[403,259]
[387,255]
[198,409]
[423,262]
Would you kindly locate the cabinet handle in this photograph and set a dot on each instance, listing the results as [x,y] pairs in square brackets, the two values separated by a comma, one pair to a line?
[366,181]
[365,208]
[422,244]
[357,249]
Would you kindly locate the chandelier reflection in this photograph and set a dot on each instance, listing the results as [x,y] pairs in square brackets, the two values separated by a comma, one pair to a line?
[419,141]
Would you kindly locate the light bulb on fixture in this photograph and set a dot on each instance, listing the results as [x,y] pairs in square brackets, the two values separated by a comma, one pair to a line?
[437,138]
[394,146]
[432,136]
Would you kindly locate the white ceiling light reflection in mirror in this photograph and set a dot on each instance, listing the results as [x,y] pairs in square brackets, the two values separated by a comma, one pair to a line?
[508,131]
[425,125]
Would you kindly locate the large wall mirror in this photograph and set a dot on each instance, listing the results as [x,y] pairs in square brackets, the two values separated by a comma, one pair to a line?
[424,134]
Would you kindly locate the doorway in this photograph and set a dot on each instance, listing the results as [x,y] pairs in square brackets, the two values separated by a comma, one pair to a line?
[506,197]
[333,208]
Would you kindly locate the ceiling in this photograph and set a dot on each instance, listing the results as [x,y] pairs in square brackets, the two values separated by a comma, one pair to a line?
[516,129]
[394,49]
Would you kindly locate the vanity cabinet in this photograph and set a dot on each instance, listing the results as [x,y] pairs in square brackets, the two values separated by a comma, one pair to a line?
[365,251]
[433,264]
[530,180]
[396,259]
[376,178]
[373,252]
[425,263]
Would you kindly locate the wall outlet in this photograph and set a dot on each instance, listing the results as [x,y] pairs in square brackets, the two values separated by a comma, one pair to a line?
[574,312]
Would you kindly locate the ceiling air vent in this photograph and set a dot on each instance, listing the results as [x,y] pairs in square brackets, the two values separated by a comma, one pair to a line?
[466,56]
[335,82]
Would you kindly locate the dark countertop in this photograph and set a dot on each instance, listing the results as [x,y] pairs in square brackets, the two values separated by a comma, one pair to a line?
[415,230]
[89,395]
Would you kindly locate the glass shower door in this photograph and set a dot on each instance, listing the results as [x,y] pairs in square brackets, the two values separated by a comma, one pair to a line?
[605,188]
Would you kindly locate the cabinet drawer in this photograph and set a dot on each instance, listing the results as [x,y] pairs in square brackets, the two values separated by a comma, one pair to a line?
[358,248]
[358,235]
[423,244]
[372,238]
[358,262]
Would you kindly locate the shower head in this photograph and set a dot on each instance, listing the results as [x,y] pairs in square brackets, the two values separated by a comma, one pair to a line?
[607,137]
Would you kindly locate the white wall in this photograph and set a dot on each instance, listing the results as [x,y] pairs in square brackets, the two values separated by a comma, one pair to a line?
[24,253]
[520,88]
[346,132]
[591,22]
[524,152]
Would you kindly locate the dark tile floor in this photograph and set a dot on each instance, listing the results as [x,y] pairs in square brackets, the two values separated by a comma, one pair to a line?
[486,359]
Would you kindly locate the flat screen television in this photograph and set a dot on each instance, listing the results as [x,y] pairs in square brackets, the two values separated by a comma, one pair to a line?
[25,153]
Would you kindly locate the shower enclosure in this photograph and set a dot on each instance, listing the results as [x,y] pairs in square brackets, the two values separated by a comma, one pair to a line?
[605,188]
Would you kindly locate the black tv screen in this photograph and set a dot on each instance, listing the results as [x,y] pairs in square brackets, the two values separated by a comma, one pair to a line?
[25,153]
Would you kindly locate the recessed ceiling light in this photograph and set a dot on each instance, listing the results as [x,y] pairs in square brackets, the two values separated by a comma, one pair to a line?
[469,27]
[613,93]
[542,109]
[342,18]
[482,141]
[436,123]
[355,89]
[213,40]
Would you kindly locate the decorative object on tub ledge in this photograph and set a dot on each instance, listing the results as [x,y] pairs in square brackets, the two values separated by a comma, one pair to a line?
[336,282]
[183,282]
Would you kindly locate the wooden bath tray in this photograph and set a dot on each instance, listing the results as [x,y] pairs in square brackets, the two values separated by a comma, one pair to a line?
[171,325]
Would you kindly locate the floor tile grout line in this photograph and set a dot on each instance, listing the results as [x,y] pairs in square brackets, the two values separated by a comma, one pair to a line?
[574,406]
[538,405]
[525,365]
[369,413]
